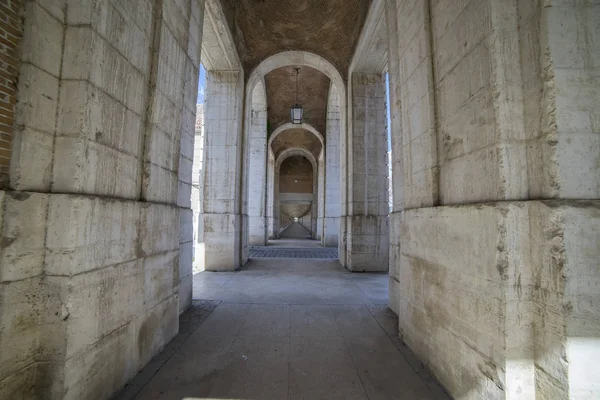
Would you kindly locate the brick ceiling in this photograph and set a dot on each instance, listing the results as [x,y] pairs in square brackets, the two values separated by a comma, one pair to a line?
[313,89]
[296,138]
[329,28]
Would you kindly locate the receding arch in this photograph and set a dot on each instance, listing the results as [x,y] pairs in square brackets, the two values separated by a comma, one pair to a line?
[296,151]
[288,126]
[294,57]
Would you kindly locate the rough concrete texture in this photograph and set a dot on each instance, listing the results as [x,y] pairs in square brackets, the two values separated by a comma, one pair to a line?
[505,293]
[366,233]
[222,221]
[91,275]
[332,198]
[491,295]
[257,169]
[493,240]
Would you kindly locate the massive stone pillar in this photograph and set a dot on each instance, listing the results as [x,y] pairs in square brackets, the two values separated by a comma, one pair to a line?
[320,203]
[495,155]
[366,242]
[271,212]
[332,206]
[256,176]
[95,266]
[222,219]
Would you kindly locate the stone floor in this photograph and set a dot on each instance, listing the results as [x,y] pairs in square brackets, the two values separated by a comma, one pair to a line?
[295,231]
[286,329]
[293,252]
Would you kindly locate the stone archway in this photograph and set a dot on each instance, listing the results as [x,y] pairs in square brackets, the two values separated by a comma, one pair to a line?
[308,59]
[295,151]
[288,126]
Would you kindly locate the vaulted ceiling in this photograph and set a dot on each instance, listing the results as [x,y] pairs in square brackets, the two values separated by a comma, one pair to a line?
[329,28]
[296,138]
[313,89]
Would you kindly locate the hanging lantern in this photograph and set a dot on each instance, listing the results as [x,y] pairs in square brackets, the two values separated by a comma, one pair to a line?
[296,112]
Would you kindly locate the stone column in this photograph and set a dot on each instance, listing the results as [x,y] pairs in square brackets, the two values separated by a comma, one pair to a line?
[495,233]
[257,168]
[321,197]
[366,223]
[222,223]
[271,196]
[332,199]
[103,107]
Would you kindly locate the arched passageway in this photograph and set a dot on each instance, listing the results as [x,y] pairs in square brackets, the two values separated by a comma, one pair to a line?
[489,255]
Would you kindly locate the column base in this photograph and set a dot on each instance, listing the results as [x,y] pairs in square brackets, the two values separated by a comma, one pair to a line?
[367,243]
[222,242]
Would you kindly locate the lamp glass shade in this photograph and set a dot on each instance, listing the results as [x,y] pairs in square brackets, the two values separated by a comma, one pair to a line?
[296,113]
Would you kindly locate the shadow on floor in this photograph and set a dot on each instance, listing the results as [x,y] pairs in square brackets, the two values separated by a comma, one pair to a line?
[286,329]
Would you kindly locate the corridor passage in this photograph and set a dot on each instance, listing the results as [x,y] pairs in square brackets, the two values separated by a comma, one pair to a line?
[295,231]
[286,329]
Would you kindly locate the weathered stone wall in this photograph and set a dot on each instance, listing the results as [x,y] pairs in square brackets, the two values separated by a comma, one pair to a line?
[257,167]
[332,169]
[366,239]
[494,251]
[97,262]
[222,218]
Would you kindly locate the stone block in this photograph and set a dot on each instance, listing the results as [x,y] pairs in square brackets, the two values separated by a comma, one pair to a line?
[92,168]
[184,194]
[87,112]
[367,243]
[176,15]
[37,99]
[114,355]
[23,235]
[87,57]
[190,149]
[221,241]
[155,328]
[460,19]
[31,160]
[159,229]
[161,277]
[169,82]
[184,266]
[166,115]
[186,225]
[578,165]
[99,302]
[117,26]
[185,170]
[21,384]
[394,295]
[185,292]
[20,327]
[472,178]
[42,39]
[162,149]
[56,8]
[159,185]
[87,233]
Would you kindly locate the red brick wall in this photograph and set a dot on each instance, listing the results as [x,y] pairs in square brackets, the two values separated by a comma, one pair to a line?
[11,32]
